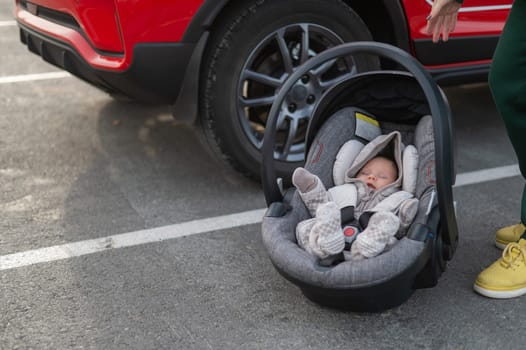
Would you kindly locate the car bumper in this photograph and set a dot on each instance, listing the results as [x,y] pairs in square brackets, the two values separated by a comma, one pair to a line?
[155,74]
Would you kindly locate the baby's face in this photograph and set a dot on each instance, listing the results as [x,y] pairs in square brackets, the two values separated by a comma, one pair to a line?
[378,173]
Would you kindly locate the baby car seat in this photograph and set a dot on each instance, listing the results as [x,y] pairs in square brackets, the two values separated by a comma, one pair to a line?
[409,102]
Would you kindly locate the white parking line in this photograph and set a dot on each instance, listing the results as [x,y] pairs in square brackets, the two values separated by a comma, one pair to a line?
[69,250]
[484,175]
[33,77]
[7,23]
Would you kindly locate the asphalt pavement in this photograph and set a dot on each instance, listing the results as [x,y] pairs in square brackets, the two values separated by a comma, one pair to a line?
[76,165]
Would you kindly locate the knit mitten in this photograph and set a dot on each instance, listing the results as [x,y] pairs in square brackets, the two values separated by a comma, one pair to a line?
[310,189]
[326,236]
[378,236]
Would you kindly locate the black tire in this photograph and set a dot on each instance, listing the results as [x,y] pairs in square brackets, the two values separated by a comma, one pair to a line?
[246,40]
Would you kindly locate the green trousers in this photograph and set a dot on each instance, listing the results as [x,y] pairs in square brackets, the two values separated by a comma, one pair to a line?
[507,81]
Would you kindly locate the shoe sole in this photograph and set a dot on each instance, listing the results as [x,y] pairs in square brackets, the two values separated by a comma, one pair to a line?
[501,244]
[499,294]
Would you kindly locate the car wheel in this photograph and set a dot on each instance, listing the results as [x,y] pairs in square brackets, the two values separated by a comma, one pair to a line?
[250,53]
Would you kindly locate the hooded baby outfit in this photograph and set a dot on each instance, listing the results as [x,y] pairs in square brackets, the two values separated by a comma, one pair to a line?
[384,215]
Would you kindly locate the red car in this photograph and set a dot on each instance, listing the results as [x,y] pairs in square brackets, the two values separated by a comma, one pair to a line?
[221,62]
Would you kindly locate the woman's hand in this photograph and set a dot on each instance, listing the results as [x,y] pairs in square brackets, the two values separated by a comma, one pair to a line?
[442,19]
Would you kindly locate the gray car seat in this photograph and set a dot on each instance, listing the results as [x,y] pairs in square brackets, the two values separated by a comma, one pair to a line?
[400,101]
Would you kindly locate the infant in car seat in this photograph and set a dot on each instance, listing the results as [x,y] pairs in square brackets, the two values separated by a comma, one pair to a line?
[376,198]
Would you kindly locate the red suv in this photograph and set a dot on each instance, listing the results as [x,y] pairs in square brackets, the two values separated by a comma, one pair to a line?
[221,62]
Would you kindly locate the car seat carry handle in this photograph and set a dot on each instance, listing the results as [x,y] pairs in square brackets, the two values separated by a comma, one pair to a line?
[440,112]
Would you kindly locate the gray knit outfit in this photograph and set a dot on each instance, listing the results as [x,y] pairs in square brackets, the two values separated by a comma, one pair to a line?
[394,209]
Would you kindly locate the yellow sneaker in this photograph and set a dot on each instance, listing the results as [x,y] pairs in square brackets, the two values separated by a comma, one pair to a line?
[506,277]
[509,234]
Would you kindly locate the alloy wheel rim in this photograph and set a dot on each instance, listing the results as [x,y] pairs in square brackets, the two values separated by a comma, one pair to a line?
[268,65]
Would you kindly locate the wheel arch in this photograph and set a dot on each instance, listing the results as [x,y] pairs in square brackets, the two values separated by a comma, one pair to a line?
[385,19]
[186,106]
[204,18]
